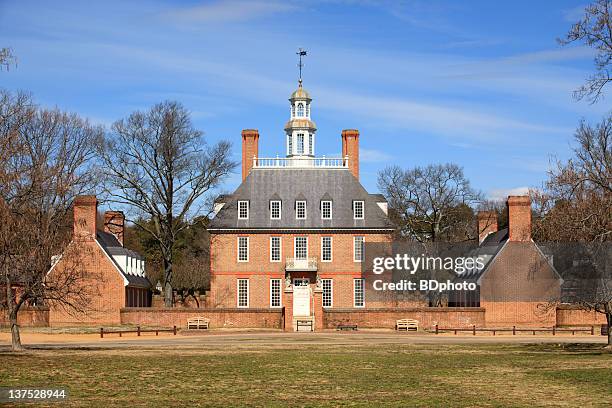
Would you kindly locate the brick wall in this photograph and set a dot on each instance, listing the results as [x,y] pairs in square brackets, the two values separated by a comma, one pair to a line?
[219,318]
[386,318]
[568,315]
[28,317]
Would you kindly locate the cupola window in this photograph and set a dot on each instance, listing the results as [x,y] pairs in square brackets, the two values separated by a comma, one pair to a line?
[300,110]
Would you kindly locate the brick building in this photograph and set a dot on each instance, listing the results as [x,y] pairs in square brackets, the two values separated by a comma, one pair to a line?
[292,234]
[109,275]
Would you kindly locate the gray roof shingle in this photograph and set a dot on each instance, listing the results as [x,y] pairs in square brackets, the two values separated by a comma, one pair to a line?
[112,247]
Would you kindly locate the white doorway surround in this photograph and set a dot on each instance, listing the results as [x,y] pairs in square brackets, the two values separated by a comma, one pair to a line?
[302,297]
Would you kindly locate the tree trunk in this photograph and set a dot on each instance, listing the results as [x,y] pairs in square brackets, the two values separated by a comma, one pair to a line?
[168,283]
[15,338]
[609,319]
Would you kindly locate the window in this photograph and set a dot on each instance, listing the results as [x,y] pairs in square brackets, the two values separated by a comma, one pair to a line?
[243,249]
[290,144]
[301,248]
[300,143]
[358,292]
[358,210]
[358,243]
[275,249]
[243,293]
[301,281]
[310,149]
[300,110]
[275,293]
[307,109]
[326,210]
[326,249]
[243,210]
[328,292]
[275,210]
[300,210]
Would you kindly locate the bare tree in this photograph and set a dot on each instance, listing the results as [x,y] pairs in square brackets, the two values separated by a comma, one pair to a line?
[159,167]
[576,206]
[47,161]
[430,204]
[594,30]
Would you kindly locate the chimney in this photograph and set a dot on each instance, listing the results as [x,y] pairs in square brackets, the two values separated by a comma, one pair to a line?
[350,148]
[487,223]
[114,223]
[519,218]
[250,140]
[85,210]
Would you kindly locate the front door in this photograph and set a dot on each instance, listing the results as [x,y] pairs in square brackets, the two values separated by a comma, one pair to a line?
[301,300]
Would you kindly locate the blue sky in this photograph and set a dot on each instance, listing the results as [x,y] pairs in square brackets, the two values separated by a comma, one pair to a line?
[480,83]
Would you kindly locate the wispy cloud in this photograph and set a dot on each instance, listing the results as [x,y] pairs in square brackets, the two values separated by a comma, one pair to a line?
[503,193]
[229,11]
[373,156]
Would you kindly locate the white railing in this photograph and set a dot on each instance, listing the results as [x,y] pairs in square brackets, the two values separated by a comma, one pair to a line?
[293,162]
[295,264]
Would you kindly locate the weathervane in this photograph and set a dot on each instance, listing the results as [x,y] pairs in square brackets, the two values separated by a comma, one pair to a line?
[301,53]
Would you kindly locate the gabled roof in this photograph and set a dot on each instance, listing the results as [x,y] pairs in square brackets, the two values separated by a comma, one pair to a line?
[111,246]
[311,185]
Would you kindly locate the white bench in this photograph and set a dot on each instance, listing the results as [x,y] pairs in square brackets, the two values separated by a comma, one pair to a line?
[197,323]
[407,324]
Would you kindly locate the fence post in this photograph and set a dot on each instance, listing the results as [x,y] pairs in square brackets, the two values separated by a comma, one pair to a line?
[138,330]
[174,330]
[514,330]
[592,330]
[101,332]
[553,330]
[436,329]
[455,331]
[119,333]
[474,329]
[534,332]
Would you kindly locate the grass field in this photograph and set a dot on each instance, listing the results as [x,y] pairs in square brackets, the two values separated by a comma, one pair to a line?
[391,375]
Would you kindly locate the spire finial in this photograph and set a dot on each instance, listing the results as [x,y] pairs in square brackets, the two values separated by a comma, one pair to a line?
[301,53]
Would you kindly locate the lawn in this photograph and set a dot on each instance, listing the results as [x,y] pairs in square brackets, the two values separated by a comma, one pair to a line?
[391,375]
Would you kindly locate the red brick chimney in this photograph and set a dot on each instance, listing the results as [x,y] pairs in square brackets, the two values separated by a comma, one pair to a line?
[114,223]
[487,223]
[519,218]
[85,210]
[350,148]
[250,141]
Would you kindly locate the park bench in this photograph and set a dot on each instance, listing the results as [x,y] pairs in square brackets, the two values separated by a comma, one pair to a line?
[303,323]
[197,323]
[346,326]
[407,324]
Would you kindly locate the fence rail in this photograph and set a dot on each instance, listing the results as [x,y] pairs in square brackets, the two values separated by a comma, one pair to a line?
[138,331]
[514,330]
[292,162]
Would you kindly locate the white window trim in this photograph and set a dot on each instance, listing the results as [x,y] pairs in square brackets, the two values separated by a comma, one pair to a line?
[331,249]
[280,249]
[331,209]
[355,280]
[305,210]
[280,209]
[362,210]
[295,246]
[362,248]
[238,248]
[248,297]
[332,293]
[280,293]
[247,209]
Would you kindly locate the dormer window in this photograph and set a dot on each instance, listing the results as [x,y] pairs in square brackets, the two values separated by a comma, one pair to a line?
[358,210]
[275,210]
[326,210]
[300,110]
[243,210]
[300,210]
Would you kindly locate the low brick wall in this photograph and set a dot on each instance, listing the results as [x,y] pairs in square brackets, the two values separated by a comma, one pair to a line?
[28,317]
[219,318]
[386,318]
[568,315]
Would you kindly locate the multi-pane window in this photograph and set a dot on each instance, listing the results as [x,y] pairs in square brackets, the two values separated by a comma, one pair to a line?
[275,249]
[328,292]
[243,210]
[290,144]
[300,210]
[358,210]
[275,293]
[358,243]
[275,210]
[326,249]
[326,210]
[301,248]
[300,110]
[243,293]
[358,292]
[310,147]
[300,143]
[243,249]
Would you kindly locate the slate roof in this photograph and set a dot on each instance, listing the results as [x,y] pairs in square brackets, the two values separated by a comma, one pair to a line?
[112,247]
[313,185]
[487,250]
